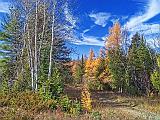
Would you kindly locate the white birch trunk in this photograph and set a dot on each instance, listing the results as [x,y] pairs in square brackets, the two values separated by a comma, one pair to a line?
[52,42]
[35,48]
[30,56]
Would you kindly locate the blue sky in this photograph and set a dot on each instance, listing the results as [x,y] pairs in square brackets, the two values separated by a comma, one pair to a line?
[92,19]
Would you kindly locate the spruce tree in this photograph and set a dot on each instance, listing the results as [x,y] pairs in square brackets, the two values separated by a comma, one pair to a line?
[140,65]
[117,69]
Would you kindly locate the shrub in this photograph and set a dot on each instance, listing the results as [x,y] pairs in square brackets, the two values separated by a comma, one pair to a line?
[15,114]
[96,115]
[29,101]
[75,108]
[65,103]
[95,85]
[70,106]
[155,78]
[56,84]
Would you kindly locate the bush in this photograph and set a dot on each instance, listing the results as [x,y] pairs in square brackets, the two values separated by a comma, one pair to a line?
[26,105]
[95,85]
[56,84]
[52,88]
[70,106]
[96,115]
[75,107]
[15,114]
[29,101]
[155,78]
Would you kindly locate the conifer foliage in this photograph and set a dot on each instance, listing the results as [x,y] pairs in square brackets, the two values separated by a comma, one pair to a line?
[33,42]
[134,71]
[140,65]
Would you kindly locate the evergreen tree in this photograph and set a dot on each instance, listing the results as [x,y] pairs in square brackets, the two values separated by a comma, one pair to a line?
[115,57]
[32,29]
[117,69]
[140,65]
[79,70]
[155,77]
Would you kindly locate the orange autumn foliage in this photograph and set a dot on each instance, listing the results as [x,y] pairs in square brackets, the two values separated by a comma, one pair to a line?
[114,38]
[89,65]
[113,42]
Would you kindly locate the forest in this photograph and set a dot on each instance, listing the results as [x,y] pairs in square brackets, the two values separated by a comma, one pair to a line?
[39,80]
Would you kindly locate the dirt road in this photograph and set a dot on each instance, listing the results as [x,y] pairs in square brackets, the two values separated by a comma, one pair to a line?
[104,99]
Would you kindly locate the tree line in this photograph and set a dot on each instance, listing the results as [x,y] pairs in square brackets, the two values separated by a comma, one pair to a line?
[125,65]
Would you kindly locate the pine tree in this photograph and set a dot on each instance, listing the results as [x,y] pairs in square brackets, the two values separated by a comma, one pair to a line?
[117,69]
[78,71]
[115,57]
[140,65]
[11,47]
[155,77]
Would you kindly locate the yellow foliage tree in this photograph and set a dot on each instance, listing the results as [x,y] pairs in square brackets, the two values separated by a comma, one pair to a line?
[114,38]
[97,64]
[86,98]
[113,42]
[105,76]
[89,65]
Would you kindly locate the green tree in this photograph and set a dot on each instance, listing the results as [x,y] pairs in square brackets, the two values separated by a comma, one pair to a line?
[140,65]
[155,78]
[117,68]
[34,42]
[79,70]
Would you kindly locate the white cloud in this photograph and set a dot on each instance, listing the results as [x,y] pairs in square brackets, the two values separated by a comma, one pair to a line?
[150,31]
[100,18]
[152,9]
[92,40]
[139,23]
[88,40]
[146,29]
[69,16]
[4,7]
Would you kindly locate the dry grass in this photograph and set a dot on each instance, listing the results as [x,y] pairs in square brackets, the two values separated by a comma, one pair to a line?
[106,106]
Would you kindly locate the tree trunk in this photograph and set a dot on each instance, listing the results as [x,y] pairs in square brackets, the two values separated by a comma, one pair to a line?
[30,56]
[35,49]
[52,42]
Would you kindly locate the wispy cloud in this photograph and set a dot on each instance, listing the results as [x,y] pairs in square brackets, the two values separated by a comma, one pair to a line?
[146,29]
[152,10]
[4,7]
[140,23]
[69,16]
[88,39]
[100,18]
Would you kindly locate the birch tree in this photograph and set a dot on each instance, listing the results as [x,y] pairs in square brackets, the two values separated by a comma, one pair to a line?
[38,31]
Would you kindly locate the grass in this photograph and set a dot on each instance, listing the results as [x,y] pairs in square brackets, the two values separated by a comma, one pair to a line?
[106,106]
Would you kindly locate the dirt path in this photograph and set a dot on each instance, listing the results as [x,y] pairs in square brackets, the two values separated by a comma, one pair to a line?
[141,113]
[105,99]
